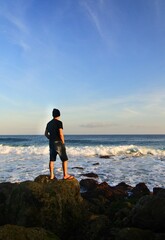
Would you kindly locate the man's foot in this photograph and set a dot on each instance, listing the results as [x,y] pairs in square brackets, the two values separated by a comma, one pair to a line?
[52,177]
[69,177]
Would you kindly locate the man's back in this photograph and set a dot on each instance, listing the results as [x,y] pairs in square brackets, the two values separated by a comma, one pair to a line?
[53,128]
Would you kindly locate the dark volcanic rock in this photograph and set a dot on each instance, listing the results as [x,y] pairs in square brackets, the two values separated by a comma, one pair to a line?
[5,190]
[100,190]
[80,168]
[13,232]
[135,234]
[156,190]
[92,175]
[105,156]
[97,228]
[54,205]
[44,179]
[94,190]
[122,189]
[95,164]
[102,212]
[149,212]
[140,190]
[88,184]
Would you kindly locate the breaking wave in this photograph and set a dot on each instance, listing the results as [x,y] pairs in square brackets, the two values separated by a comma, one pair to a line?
[86,151]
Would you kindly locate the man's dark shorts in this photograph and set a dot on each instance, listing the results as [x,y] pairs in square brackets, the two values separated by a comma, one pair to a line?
[57,147]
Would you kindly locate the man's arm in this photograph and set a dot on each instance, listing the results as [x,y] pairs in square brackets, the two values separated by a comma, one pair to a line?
[61,135]
[47,134]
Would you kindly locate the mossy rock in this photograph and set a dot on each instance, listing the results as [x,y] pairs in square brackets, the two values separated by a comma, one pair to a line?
[53,205]
[13,232]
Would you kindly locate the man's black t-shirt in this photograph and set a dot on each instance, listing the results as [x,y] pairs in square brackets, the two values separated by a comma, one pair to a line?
[53,128]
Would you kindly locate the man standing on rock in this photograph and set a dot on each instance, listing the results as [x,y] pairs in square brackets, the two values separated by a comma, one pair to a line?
[54,132]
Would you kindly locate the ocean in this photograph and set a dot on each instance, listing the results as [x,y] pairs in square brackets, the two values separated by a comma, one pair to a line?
[114,158]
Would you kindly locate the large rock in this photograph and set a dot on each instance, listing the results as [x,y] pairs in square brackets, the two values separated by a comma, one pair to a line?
[88,184]
[103,190]
[54,205]
[101,213]
[134,234]
[140,190]
[149,212]
[5,191]
[97,228]
[12,232]
[138,234]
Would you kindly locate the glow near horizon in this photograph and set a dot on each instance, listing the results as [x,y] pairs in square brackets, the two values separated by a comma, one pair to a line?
[102,63]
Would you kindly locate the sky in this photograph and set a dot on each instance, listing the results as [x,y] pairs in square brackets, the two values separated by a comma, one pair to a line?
[101,62]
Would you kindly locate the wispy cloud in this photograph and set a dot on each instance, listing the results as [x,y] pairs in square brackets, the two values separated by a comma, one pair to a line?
[16,22]
[131,111]
[122,111]
[16,28]
[100,15]
[23,44]
[94,18]
[98,125]
[133,104]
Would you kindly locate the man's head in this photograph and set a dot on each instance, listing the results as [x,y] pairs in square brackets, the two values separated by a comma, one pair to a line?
[56,113]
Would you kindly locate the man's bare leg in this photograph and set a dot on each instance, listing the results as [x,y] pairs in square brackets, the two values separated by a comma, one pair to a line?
[51,168]
[65,170]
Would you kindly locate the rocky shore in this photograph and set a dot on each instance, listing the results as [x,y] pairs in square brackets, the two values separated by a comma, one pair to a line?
[46,209]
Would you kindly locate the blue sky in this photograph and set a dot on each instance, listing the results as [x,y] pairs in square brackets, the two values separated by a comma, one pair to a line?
[101,62]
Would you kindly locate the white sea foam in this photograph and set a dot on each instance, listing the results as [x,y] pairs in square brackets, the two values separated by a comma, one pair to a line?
[132,164]
[86,151]
[101,151]
[31,150]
